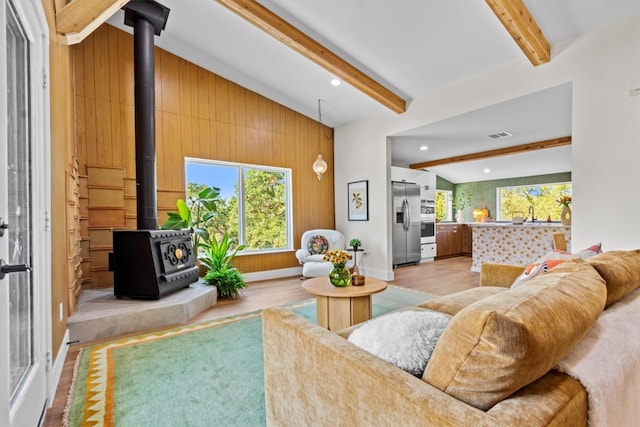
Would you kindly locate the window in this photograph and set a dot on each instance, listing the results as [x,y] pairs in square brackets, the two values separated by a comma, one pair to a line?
[543,197]
[444,210]
[255,202]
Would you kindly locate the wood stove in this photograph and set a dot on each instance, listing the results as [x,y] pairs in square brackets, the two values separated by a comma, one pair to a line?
[147,262]
[152,263]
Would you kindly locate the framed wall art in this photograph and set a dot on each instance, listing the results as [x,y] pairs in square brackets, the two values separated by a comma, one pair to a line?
[358,202]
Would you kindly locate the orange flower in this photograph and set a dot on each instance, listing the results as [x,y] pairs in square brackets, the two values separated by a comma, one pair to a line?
[337,257]
[564,200]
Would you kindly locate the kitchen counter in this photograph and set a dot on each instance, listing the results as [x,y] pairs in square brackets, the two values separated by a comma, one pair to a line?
[510,224]
[516,244]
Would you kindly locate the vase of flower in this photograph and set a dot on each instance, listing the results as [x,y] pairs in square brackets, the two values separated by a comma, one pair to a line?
[565,214]
[339,274]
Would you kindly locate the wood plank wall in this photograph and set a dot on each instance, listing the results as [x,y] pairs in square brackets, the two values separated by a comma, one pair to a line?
[198,114]
[64,199]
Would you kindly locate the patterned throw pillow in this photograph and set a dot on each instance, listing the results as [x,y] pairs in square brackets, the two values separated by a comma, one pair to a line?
[317,245]
[552,259]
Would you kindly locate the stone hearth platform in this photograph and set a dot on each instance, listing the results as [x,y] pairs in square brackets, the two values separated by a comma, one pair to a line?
[100,315]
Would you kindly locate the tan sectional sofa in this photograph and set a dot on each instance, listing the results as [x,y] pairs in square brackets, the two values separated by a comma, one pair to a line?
[492,366]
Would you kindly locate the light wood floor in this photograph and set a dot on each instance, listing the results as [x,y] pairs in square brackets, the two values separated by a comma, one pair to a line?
[440,278]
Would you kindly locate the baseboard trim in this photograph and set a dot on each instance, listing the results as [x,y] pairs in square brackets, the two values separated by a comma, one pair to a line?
[56,369]
[272,274]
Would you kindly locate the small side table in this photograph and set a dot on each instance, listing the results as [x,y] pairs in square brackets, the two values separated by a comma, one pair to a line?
[355,266]
[338,308]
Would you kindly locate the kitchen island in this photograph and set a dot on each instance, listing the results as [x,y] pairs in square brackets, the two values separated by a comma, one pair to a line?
[508,243]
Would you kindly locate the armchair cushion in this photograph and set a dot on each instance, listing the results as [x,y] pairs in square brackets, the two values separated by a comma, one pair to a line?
[317,245]
[313,264]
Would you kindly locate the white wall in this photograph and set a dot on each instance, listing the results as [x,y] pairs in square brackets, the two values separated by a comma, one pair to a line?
[605,131]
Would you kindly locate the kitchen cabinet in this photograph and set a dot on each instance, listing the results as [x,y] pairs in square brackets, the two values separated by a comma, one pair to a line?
[466,232]
[447,239]
[453,240]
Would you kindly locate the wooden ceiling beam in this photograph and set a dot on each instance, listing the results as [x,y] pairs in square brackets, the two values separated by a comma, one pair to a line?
[289,35]
[524,148]
[516,18]
[80,18]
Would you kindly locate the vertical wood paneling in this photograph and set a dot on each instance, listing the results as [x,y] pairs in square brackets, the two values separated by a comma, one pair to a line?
[64,175]
[104,148]
[203,135]
[88,68]
[90,131]
[240,96]
[114,67]
[116,131]
[222,100]
[80,128]
[198,114]
[186,136]
[78,65]
[170,75]
[222,142]
[185,89]
[212,95]
[125,69]
[241,142]
[203,93]
[128,139]
[101,65]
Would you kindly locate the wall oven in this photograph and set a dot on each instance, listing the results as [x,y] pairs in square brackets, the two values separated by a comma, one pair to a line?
[427,231]
[427,208]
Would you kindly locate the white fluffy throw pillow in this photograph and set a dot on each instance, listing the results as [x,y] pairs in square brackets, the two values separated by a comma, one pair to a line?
[405,339]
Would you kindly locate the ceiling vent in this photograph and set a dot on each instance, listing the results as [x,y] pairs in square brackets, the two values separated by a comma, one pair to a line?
[499,135]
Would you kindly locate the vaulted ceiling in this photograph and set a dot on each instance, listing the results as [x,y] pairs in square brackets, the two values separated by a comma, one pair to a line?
[385,53]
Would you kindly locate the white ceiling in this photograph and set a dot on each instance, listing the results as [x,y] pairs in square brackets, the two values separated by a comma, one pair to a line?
[413,47]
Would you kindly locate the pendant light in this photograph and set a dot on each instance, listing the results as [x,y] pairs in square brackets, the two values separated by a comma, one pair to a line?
[319,166]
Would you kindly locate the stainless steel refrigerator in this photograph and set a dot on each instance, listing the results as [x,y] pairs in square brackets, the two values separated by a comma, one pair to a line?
[406,223]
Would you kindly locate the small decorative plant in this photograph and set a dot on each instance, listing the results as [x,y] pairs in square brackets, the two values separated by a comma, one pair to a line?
[564,201]
[463,198]
[355,243]
[217,256]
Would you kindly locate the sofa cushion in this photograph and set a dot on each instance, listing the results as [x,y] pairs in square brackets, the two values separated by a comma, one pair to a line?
[451,304]
[317,245]
[552,259]
[497,345]
[405,339]
[620,271]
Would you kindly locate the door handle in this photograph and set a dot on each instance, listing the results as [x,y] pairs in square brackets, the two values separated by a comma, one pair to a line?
[3,226]
[6,268]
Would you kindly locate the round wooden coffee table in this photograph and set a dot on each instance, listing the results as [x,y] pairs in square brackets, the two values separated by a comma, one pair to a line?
[338,308]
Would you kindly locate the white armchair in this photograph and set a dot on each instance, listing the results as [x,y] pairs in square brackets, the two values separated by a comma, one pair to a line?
[314,244]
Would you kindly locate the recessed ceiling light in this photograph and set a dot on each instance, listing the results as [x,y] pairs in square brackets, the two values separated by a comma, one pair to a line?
[424,148]
[335,82]
[487,170]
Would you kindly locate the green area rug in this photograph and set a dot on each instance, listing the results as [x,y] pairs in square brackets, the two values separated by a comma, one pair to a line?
[203,374]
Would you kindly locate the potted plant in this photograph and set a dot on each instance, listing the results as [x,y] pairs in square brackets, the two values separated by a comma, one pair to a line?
[355,243]
[195,214]
[216,256]
[462,199]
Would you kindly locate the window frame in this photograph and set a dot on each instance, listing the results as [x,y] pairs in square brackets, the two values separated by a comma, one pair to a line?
[449,203]
[499,197]
[241,168]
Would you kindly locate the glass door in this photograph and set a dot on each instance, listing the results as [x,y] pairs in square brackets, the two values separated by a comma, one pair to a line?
[23,321]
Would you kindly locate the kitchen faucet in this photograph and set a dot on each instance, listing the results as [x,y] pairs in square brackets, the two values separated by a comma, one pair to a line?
[532,212]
